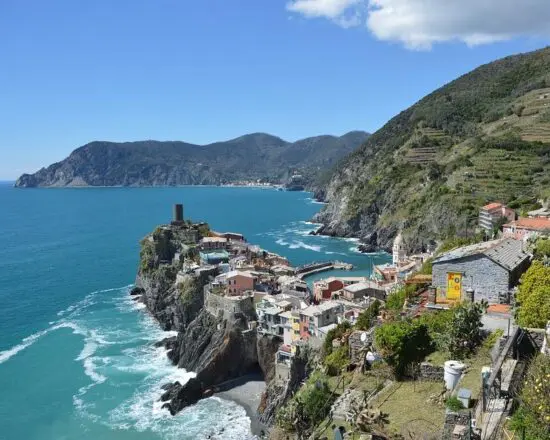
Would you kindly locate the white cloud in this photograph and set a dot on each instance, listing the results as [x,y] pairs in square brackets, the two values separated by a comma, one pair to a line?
[333,9]
[420,23]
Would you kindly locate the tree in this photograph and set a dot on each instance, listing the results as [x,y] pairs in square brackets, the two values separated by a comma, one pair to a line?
[366,318]
[498,225]
[533,416]
[542,248]
[402,343]
[463,332]
[534,296]
[334,333]
[307,408]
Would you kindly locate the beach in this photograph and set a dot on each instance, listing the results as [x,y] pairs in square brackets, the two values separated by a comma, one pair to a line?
[248,395]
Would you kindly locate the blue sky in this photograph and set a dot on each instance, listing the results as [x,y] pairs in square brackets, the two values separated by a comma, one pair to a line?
[209,70]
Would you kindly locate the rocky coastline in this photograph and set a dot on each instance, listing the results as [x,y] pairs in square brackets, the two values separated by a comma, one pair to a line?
[334,224]
[223,349]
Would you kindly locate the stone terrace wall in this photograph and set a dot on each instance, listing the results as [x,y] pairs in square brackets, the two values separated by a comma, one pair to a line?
[451,420]
[427,371]
[358,347]
[227,306]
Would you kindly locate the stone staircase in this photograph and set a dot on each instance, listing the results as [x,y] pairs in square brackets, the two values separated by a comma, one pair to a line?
[341,408]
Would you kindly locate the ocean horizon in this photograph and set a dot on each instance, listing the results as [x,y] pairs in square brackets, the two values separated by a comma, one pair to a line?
[77,355]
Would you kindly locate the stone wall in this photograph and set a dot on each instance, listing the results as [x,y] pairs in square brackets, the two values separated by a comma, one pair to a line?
[452,419]
[487,278]
[357,347]
[546,342]
[430,372]
[537,337]
[228,306]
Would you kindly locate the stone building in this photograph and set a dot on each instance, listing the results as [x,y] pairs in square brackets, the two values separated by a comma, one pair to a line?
[491,269]
[228,306]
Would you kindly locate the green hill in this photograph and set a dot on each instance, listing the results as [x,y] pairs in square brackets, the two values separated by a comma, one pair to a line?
[250,157]
[484,136]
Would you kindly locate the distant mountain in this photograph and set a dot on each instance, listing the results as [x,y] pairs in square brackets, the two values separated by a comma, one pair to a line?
[483,137]
[144,163]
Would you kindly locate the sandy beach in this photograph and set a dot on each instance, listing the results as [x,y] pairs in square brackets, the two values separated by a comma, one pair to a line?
[248,395]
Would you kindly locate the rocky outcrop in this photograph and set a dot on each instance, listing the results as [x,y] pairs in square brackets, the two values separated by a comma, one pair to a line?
[218,347]
[267,348]
[278,392]
[217,350]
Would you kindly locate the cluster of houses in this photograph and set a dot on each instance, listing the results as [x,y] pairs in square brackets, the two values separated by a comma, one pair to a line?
[494,214]
[245,277]
[490,270]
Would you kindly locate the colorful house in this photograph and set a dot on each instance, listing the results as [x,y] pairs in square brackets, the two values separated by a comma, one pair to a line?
[313,318]
[524,228]
[291,326]
[213,243]
[323,289]
[363,289]
[239,282]
[491,213]
[214,257]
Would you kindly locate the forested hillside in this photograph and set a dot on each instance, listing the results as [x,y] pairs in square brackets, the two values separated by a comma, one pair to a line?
[250,157]
[482,137]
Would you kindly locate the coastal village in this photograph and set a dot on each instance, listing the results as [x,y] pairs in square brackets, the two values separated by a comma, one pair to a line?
[366,388]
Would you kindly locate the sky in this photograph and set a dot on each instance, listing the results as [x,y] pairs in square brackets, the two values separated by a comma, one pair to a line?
[208,70]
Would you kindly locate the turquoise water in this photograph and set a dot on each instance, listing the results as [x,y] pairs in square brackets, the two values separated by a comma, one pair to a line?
[76,355]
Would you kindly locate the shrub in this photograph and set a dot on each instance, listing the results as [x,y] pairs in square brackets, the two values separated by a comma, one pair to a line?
[426,268]
[396,300]
[366,318]
[533,417]
[334,333]
[463,333]
[534,296]
[454,404]
[437,323]
[402,343]
[542,248]
[308,407]
[337,361]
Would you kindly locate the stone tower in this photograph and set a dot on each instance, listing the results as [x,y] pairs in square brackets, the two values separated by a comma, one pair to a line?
[398,251]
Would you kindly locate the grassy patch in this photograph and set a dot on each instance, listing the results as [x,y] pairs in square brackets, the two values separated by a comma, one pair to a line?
[438,358]
[354,380]
[472,378]
[329,433]
[410,403]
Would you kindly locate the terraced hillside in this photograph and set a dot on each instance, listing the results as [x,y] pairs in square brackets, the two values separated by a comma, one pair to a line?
[482,137]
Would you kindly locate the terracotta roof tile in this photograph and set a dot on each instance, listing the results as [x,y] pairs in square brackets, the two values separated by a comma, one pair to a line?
[494,205]
[499,308]
[532,224]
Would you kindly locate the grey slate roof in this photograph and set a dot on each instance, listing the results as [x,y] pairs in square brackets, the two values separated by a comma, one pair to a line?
[506,252]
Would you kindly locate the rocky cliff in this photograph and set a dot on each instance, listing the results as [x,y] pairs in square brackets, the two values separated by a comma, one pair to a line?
[151,163]
[483,137]
[216,347]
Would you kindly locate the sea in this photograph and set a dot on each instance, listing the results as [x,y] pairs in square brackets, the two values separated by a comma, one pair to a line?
[77,356]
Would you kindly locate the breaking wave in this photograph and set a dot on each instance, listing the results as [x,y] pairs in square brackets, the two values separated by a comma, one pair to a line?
[118,353]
